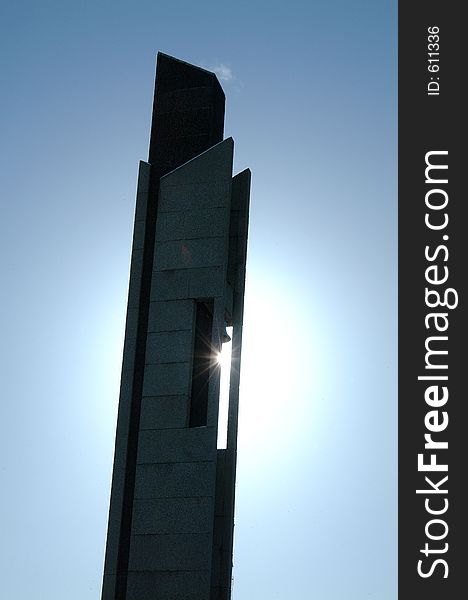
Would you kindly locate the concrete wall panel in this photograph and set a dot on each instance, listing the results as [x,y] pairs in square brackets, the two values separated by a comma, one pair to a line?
[190,444]
[170,379]
[126,390]
[191,223]
[172,515]
[168,585]
[211,165]
[170,285]
[171,315]
[179,197]
[186,254]
[207,282]
[163,412]
[168,347]
[170,552]
[175,480]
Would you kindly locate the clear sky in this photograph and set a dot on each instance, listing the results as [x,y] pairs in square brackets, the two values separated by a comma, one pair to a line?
[311,104]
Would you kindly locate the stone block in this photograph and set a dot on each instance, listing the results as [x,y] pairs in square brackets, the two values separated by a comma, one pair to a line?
[186,254]
[177,445]
[175,480]
[164,412]
[172,515]
[192,224]
[206,222]
[170,552]
[170,226]
[168,347]
[206,282]
[186,196]
[170,379]
[170,285]
[171,315]
[168,585]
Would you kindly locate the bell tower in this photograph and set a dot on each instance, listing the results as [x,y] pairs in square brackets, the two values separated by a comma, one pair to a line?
[171,518]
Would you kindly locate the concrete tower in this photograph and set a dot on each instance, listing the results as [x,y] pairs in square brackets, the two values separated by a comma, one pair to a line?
[171,512]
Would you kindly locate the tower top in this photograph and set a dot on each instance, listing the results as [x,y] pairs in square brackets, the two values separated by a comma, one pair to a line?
[166,62]
[188,113]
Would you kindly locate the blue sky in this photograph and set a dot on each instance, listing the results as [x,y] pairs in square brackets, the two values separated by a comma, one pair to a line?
[311,104]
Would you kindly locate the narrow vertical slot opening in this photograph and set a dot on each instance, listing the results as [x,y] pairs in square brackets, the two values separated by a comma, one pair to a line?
[202,364]
[224,360]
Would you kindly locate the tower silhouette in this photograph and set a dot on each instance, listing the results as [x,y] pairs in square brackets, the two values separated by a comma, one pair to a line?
[171,517]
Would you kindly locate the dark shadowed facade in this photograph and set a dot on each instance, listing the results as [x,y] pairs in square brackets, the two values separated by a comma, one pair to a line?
[171,516]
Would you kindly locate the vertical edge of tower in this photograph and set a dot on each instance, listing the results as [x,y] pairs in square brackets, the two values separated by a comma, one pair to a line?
[124,418]
[223,538]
